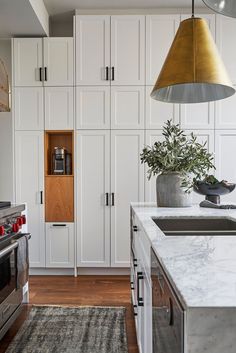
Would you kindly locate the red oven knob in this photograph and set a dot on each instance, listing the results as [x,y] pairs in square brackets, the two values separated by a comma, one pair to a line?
[23,219]
[19,221]
[15,227]
[2,230]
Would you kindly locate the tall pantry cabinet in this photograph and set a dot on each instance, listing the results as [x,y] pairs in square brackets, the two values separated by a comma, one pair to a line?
[110,111]
[43,100]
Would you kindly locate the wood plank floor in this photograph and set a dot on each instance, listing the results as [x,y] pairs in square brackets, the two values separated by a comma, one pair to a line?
[84,290]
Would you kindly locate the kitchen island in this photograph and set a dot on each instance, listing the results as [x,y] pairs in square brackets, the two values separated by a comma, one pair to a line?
[201,270]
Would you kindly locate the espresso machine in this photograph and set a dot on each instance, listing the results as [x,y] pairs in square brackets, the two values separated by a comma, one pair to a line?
[59,160]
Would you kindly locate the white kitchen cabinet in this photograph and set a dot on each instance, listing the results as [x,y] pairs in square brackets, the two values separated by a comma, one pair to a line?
[225,159]
[156,135]
[28,108]
[127,184]
[39,62]
[93,187]
[92,50]
[29,189]
[59,108]
[160,32]
[92,107]
[27,61]
[110,50]
[128,50]
[58,61]
[197,116]
[226,113]
[127,107]
[157,113]
[60,245]
[225,27]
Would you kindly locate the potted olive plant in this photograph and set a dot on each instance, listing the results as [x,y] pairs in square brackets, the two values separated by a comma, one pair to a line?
[177,161]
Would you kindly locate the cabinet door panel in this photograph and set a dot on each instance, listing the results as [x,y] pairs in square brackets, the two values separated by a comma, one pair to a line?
[128,49]
[92,107]
[93,216]
[197,116]
[225,26]
[60,245]
[127,184]
[157,113]
[28,108]
[160,32]
[59,108]
[27,58]
[225,159]
[58,61]
[225,113]
[29,183]
[127,107]
[92,49]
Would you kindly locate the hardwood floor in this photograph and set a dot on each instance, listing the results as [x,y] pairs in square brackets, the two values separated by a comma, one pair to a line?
[84,290]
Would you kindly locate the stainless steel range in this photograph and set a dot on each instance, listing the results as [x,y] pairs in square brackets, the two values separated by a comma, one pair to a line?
[13,269]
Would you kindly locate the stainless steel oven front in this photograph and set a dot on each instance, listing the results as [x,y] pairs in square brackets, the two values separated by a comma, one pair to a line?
[167,313]
[10,295]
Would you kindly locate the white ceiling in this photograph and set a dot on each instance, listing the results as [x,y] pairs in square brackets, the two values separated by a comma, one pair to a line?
[17,18]
[56,7]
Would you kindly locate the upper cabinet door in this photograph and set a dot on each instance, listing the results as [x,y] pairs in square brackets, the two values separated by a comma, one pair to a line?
[27,58]
[225,113]
[160,32]
[58,61]
[93,107]
[127,107]
[127,50]
[157,113]
[92,50]
[59,108]
[225,26]
[28,108]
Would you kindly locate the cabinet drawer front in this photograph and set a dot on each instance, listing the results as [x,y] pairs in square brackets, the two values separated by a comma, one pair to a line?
[60,245]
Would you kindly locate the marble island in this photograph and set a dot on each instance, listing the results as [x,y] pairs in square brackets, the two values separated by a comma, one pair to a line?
[202,272]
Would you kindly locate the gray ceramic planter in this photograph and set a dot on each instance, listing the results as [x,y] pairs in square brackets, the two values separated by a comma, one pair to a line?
[170,193]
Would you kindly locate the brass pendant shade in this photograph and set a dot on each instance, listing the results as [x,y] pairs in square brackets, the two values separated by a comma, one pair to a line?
[224,7]
[193,71]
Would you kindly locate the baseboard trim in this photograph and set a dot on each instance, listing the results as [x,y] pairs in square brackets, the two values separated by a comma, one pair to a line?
[82,271]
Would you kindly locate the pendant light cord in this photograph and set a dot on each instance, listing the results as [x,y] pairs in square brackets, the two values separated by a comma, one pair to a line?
[192,8]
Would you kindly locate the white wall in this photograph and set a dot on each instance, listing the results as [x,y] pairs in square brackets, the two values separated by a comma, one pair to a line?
[6,137]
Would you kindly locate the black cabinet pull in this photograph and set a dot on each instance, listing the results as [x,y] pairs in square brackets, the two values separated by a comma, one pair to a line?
[135,307]
[45,74]
[135,228]
[135,262]
[40,74]
[59,225]
[41,197]
[112,199]
[106,199]
[107,73]
[139,278]
[113,73]
[132,285]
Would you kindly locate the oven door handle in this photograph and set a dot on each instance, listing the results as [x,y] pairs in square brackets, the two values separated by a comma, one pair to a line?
[8,249]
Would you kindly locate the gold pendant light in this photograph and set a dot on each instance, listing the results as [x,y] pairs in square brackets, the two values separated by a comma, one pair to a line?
[224,7]
[193,71]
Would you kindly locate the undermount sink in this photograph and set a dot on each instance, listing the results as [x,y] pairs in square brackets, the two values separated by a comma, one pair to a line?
[196,226]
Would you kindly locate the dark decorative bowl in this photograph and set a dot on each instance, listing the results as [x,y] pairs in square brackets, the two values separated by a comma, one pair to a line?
[213,191]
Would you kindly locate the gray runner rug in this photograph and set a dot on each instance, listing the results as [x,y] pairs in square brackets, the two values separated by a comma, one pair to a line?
[51,329]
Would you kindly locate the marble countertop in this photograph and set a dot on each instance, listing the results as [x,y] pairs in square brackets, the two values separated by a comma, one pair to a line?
[202,269]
